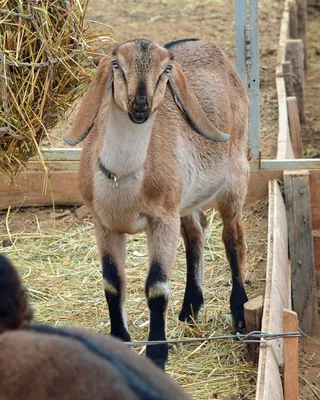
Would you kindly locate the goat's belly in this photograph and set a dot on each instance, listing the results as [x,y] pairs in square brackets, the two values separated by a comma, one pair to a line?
[201,194]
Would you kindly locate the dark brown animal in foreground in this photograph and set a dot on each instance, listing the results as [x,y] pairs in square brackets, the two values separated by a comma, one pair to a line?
[40,362]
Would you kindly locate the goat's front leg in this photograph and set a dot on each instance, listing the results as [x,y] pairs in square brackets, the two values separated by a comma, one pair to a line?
[112,247]
[162,242]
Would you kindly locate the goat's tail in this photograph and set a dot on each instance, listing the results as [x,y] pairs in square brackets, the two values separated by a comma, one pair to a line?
[15,311]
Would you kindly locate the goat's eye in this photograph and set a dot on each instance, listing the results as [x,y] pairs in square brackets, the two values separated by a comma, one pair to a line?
[115,64]
[168,69]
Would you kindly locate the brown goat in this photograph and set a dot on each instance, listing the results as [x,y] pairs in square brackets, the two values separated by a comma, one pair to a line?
[40,362]
[153,158]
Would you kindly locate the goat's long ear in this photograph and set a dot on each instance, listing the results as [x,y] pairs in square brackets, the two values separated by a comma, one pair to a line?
[90,104]
[191,108]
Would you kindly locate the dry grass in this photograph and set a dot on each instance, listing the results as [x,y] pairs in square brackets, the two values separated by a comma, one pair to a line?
[61,269]
[42,47]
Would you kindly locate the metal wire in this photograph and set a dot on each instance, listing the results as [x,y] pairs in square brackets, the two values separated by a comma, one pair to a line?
[252,337]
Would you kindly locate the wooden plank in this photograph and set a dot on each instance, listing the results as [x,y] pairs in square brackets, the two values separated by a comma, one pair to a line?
[268,165]
[269,386]
[315,199]
[258,186]
[36,188]
[288,80]
[291,357]
[294,124]
[284,33]
[304,292]
[253,310]
[284,146]
[293,19]
[294,53]
[316,246]
[302,28]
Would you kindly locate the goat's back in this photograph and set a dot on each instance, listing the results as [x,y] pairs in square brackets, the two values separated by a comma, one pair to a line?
[35,365]
[216,84]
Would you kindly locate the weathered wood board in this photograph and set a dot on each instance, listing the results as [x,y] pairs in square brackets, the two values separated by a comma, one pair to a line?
[304,292]
[291,357]
[269,386]
[294,123]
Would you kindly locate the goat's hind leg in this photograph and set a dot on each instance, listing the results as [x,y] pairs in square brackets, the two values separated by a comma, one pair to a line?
[192,229]
[112,247]
[230,208]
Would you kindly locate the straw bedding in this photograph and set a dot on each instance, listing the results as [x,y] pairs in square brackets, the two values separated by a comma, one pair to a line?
[58,261]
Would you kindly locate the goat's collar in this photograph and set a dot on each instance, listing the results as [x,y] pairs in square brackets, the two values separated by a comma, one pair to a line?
[113,177]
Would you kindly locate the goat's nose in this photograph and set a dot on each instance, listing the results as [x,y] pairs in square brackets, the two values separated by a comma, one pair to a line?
[140,103]
[141,99]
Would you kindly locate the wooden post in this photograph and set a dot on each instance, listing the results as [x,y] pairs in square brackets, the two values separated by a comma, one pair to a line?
[302,29]
[313,3]
[316,243]
[294,54]
[294,124]
[253,310]
[304,293]
[291,357]
[293,19]
[287,74]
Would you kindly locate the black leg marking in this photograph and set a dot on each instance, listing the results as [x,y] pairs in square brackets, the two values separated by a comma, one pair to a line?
[155,276]
[112,283]
[238,295]
[157,292]
[193,297]
[158,353]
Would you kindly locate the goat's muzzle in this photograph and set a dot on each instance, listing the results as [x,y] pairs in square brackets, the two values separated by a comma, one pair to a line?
[139,109]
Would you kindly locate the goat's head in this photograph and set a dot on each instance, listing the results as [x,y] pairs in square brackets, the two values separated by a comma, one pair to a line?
[140,73]
[136,75]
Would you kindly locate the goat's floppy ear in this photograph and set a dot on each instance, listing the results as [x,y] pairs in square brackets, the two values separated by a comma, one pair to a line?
[90,104]
[190,106]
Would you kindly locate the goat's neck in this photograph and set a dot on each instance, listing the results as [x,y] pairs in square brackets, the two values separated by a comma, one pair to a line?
[125,144]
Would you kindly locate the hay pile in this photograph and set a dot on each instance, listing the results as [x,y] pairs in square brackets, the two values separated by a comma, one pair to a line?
[42,46]
[62,271]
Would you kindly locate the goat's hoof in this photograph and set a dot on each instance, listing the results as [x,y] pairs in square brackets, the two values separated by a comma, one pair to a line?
[158,354]
[189,313]
[190,309]
[122,335]
[239,327]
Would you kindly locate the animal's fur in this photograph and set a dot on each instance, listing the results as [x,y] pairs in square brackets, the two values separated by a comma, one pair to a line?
[169,165]
[46,363]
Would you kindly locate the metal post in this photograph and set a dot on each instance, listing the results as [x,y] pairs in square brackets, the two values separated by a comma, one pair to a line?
[241,47]
[254,79]
[241,21]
